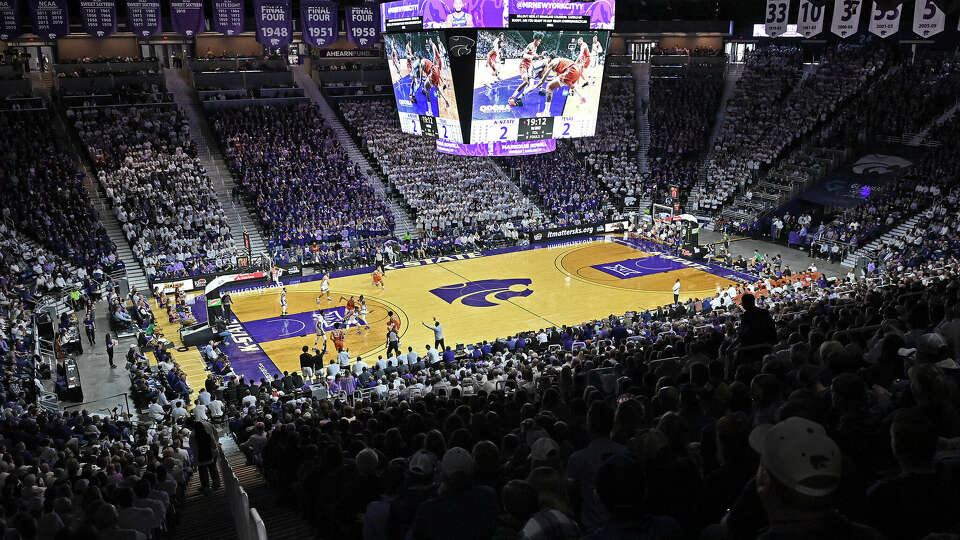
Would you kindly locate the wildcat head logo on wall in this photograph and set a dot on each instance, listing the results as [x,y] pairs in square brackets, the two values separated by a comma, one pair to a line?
[879,164]
[477,293]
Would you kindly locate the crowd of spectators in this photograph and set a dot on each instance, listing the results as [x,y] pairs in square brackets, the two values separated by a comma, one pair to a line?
[682,111]
[565,187]
[165,202]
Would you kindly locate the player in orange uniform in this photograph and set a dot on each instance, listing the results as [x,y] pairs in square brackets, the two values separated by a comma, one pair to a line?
[526,73]
[378,279]
[393,322]
[408,52]
[495,51]
[561,72]
[584,59]
[337,336]
[428,76]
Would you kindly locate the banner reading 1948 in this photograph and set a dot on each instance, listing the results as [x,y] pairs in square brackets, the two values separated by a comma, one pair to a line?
[274,22]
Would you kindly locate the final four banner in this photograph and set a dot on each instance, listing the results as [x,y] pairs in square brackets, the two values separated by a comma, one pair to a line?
[187,17]
[928,19]
[846,17]
[9,19]
[228,16]
[775,18]
[319,21]
[99,17]
[810,19]
[363,28]
[50,18]
[274,22]
[143,17]
[885,23]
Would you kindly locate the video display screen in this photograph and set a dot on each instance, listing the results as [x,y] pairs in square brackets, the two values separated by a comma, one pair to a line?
[406,15]
[534,84]
[422,84]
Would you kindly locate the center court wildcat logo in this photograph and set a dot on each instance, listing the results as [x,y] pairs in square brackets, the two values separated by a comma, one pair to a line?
[476,293]
[879,164]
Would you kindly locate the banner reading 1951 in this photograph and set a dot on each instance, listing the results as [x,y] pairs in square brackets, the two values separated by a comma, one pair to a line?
[274,22]
[319,21]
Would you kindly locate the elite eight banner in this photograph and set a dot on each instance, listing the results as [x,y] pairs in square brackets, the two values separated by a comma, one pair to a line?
[363,26]
[228,16]
[50,18]
[143,17]
[99,17]
[187,17]
[274,22]
[319,21]
[9,19]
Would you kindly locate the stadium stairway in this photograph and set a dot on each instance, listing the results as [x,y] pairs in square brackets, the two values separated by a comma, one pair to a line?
[917,139]
[641,81]
[404,222]
[208,517]
[730,79]
[850,261]
[211,158]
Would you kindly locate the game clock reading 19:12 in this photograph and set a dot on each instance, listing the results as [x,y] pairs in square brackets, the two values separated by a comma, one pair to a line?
[535,129]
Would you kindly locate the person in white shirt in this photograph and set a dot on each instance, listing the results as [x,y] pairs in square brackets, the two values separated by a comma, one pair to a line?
[432,355]
[200,411]
[249,401]
[333,369]
[412,356]
[343,357]
[179,411]
[215,408]
[204,397]
[156,411]
[676,291]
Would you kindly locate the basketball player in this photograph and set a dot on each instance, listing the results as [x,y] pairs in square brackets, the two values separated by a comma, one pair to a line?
[321,333]
[325,287]
[596,50]
[378,279]
[394,59]
[435,47]
[428,77]
[363,311]
[495,51]
[457,18]
[562,72]
[583,60]
[393,322]
[275,275]
[337,336]
[408,52]
[526,72]
[283,302]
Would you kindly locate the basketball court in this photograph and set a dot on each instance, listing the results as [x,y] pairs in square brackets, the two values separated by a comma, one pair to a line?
[475,296]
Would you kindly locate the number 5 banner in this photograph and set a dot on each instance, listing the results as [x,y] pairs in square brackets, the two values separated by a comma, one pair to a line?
[319,21]
[928,19]
[775,19]
[810,19]
[846,18]
[274,22]
[363,28]
[885,23]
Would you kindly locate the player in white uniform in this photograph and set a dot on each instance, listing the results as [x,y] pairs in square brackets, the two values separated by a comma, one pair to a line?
[283,302]
[363,311]
[275,273]
[526,69]
[596,50]
[325,287]
[321,333]
[458,19]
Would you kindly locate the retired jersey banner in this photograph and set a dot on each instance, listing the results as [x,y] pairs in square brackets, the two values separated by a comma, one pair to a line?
[885,23]
[143,17]
[228,16]
[363,28]
[775,18]
[187,17]
[319,21]
[846,17]
[274,22]
[99,17]
[810,19]
[9,19]
[928,19]
[50,18]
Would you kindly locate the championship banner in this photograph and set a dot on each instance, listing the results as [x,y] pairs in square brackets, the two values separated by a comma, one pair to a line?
[363,28]
[228,16]
[99,17]
[775,18]
[143,17]
[50,18]
[885,23]
[9,19]
[810,19]
[846,17]
[928,19]
[274,22]
[319,21]
[187,17]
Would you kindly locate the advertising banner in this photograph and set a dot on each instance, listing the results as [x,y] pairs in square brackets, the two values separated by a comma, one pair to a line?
[562,233]
[505,148]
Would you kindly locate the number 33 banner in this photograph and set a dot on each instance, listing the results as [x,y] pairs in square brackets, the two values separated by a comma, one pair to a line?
[846,18]
[775,19]
[885,23]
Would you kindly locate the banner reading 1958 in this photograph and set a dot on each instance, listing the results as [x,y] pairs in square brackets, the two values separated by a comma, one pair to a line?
[363,26]
[319,21]
[274,22]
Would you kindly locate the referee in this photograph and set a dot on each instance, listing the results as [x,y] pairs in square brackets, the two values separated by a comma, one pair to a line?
[676,291]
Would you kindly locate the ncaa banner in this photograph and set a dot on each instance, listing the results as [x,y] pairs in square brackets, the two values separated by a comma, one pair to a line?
[363,28]
[928,19]
[187,17]
[9,19]
[885,23]
[274,22]
[846,18]
[50,18]
[775,20]
[228,16]
[143,17]
[810,19]
[319,21]
[99,17]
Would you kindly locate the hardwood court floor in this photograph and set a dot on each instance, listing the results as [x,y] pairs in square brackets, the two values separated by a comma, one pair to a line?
[475,299]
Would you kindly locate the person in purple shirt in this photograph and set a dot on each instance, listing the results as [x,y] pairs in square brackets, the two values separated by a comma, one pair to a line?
[449,355]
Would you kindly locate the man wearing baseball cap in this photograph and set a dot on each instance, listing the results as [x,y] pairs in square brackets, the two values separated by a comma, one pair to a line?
[800,468]
[462,509]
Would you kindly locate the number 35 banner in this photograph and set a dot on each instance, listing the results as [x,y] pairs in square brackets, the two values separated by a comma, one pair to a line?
[274,22]
[363,25]
[846,18]
[775,20]
[319,21]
